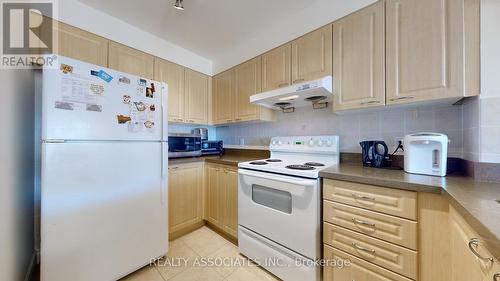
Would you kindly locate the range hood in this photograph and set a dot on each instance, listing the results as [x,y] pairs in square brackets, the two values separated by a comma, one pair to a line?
[316,93]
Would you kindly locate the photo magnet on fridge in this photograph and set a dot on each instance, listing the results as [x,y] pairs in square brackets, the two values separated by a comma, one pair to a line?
[142,82]
[123,80]
[149,93]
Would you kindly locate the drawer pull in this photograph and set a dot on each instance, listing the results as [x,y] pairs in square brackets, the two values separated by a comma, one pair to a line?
[361,197]
[356,221]
[282,85]
[473,244]
[496,277]
[369,102]
[298,80]
[361,248]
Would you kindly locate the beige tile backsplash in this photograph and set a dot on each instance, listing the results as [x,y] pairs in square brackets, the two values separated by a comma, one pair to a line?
[385,124]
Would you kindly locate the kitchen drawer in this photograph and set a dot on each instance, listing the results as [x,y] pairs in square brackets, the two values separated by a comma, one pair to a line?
[358,269]
[388,228]
[390,201]
[387,255]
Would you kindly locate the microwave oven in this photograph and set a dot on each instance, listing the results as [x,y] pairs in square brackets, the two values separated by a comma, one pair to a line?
[184,145]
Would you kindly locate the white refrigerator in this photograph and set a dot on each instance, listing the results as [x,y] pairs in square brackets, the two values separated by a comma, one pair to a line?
[102,172]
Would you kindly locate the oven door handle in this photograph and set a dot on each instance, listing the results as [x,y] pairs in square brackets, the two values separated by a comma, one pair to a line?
[287,179]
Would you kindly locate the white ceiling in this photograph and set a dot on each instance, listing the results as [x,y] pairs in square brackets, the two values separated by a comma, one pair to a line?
[228,32]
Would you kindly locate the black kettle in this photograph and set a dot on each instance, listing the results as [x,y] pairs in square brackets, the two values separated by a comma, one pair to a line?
[375,153]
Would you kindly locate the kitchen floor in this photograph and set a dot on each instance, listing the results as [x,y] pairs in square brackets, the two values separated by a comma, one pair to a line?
[188,255]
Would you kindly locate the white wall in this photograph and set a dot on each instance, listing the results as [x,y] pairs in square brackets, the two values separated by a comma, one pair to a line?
[489,102]
[384,124]
[85,17]
[16,174]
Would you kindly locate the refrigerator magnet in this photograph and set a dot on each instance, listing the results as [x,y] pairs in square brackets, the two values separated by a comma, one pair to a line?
[97,89]
[153,87]
[66,68]
[127,99]
[140,106]
[149,93]
[94,107]
[64,105]
[152,108]
[122,119]
[102,74]
[123,80]
[149,124]
[142,82]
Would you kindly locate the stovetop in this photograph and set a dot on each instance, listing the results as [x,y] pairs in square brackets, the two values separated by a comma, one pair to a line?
[302,156]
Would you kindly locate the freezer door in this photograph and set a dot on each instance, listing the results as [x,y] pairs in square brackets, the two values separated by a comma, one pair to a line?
[103,211]
[81,101]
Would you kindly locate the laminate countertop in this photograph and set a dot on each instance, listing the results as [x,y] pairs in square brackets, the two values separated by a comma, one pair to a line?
[231,160]
[476,201]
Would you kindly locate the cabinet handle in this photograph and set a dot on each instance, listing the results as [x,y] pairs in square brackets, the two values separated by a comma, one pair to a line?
[496,277]
[369,102]
[229,121]
[298,81]
[237,119]
[361,248]
[473,244]
[361,197]
[356,221]
[282,85]
[402,98]
[180,119]
[173,168]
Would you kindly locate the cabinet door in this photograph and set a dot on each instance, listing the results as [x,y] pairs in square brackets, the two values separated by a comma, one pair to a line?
[248,82]
[173,75]
[81,45]
[276,68]
[126,59]
[359,59]
[465,266]
[312,55]
[223,93]
[196,97]
[424,50]
[215,191]
[185,196]
[231,202]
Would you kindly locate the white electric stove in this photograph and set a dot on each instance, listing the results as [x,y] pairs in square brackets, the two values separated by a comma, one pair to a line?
[279,205]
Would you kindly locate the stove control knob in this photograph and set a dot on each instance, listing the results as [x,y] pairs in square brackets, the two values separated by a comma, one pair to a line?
[311,143]
[320,143]
[274,142]
[280,142]
[329,143]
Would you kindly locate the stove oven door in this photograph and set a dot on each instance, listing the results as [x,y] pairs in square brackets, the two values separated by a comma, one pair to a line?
[284,209]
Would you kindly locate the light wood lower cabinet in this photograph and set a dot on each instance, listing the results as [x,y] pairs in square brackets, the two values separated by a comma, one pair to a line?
[354,268]
[222,198]
[185,198]
[129,60]
[465,264]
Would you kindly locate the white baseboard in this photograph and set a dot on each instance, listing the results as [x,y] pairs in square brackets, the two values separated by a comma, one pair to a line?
[31,267]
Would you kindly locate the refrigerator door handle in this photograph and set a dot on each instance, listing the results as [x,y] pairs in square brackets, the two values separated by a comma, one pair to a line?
[164,171]
[164,111]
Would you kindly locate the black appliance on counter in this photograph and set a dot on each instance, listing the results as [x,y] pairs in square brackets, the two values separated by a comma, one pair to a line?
[212,147]
[375,153]
[184,145]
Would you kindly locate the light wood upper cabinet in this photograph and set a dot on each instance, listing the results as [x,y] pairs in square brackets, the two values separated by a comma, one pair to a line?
[126,59]
[312,55]
[81,45]
[185,183]
[432,49]
[196,97]
[223,97]
[359,59]
[173,75]
[248,82]
[230,214]
[276,68]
